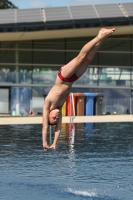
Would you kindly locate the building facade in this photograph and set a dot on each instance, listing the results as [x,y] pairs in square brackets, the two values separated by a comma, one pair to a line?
[31,53]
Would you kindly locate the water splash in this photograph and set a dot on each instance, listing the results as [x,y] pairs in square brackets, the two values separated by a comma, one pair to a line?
[86,193]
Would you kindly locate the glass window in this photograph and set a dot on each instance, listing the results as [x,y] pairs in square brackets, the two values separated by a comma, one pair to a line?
[25,74]
[53,44]
[8,52]
[90,77]
[25,44]
[45,57]
[116,43]
[49,57]
[49,51]
[44,75]
[116,100]
[114,76]
[7,74]
[20,100]
[7,56]
[76,43]
[15,74]
[115,51]
[25,56]
[114,59]
[70,56]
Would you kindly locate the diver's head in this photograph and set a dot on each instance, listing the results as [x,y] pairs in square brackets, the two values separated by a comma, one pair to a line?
[54,116]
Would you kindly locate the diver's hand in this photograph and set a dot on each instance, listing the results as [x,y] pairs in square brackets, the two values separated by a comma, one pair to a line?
[53,146]
[46,147]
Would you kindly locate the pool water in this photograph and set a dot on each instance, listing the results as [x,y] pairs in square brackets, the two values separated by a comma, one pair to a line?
[92,161]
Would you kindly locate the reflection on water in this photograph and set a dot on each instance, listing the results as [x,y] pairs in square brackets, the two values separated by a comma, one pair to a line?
[92,161]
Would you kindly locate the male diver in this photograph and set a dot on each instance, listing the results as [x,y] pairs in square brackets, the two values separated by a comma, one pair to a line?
[66,76]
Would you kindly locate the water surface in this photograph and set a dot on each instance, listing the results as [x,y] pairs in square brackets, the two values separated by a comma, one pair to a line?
[92,161]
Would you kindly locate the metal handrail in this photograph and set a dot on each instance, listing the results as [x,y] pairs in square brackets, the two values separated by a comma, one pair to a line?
[72,106]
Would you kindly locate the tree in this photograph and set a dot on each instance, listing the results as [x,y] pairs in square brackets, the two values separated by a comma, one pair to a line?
[5,4]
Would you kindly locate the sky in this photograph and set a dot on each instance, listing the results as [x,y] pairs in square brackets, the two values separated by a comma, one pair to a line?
[23,4]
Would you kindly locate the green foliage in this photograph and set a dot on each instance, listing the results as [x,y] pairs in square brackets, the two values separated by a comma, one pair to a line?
[5,4]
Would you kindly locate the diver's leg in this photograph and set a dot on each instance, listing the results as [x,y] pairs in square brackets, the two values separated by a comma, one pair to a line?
[79,64]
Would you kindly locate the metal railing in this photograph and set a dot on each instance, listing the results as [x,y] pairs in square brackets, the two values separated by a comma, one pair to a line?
[72,108]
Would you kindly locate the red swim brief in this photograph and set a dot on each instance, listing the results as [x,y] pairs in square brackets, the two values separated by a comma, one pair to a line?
[70,79]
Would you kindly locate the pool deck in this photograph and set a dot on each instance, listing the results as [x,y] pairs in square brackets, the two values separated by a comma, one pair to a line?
[78,119]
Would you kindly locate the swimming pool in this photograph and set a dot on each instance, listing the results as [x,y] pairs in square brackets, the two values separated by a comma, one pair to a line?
[92,161]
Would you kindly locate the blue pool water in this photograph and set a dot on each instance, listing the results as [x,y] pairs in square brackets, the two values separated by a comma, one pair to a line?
[92,161]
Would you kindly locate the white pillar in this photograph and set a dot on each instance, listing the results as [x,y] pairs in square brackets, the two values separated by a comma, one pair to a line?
[17,78]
